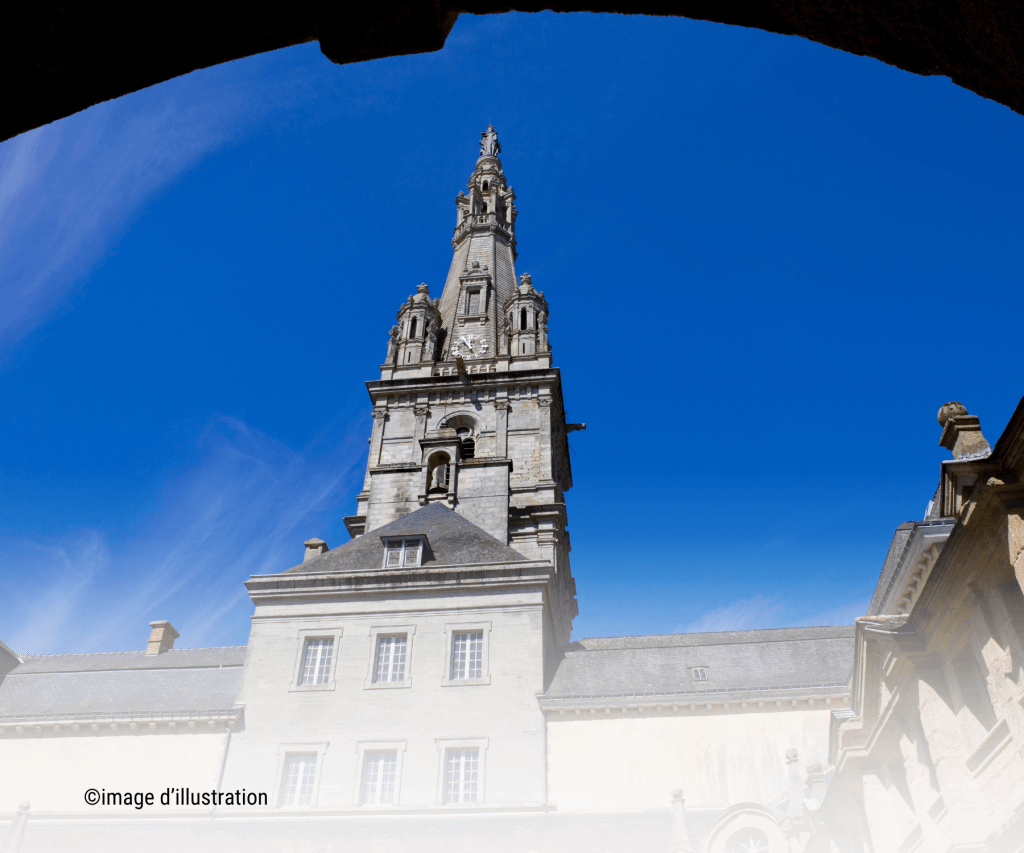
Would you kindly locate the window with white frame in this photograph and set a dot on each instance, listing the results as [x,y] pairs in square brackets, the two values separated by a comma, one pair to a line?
[700,673]
[389,663]
[380,773]
[461,775]
[297,780]
[467,655]
[316,661]
[401,553]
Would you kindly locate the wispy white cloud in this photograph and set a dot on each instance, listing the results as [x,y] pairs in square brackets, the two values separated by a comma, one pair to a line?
[756,612]
[244,509]
[68,189]
[62,574]
[772,611]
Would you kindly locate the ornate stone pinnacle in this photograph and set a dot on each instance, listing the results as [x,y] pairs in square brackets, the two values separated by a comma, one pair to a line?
[951,410]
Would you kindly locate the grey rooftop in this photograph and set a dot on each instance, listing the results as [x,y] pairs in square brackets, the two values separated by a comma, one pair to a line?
[123,682]
[452,541]
[736,662]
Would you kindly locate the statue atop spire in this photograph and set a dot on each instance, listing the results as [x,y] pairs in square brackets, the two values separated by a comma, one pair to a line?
[489,145]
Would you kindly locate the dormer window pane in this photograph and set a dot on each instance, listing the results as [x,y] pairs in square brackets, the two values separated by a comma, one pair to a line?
[402,553]
[700,673]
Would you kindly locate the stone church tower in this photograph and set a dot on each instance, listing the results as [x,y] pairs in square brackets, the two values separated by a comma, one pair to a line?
[468,410]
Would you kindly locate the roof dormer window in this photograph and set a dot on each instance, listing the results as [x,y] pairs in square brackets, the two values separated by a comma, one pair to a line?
[403,553]
[700,673]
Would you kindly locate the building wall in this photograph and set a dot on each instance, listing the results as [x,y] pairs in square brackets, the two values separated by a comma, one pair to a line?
[503,713]
[634,761]
[53,772]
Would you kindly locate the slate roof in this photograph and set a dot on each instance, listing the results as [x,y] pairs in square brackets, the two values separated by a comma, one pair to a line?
[123,682]
[452,539]
[737,662]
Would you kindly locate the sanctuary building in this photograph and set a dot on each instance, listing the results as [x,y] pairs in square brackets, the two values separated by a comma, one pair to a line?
[417,688]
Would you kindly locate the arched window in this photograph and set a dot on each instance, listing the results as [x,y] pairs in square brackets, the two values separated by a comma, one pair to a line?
[522,319]
[485,186]
[466,440]
[749,841]
[412,328]
[437,474]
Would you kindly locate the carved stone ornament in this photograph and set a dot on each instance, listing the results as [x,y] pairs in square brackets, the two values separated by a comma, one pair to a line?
[502,405]
[392,343]
[544,401]
[421,411]
[379,414]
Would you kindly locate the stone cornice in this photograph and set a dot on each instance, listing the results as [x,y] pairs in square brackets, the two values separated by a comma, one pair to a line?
[732,700]
[479,380]
[126,723]
[425,579]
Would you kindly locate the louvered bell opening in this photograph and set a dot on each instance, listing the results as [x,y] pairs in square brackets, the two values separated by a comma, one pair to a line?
[466,440]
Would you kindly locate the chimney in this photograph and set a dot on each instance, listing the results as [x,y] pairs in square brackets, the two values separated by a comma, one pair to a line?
[961,432]
[314,548]
[163,637]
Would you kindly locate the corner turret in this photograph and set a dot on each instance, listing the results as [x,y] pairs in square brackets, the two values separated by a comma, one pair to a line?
[417,336]
[524,325]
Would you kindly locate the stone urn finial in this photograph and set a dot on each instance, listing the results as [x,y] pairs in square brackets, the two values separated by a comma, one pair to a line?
[950,410]
[961,432]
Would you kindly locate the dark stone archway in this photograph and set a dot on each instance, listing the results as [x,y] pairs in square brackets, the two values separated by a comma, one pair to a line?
[58,59]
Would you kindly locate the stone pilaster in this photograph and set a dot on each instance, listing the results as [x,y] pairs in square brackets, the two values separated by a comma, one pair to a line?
[376,437]
[501,408]
[421,413]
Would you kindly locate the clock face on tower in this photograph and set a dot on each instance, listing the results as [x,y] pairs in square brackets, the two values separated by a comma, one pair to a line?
[470,346]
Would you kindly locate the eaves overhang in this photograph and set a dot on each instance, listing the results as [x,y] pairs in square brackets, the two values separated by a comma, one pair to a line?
[919,554]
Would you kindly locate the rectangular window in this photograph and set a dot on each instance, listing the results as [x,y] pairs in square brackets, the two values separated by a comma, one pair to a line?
[473,302]
[461,775]
[316,662]
[380,770]
[297,784]
[390,661]
[467,655]
[700,673]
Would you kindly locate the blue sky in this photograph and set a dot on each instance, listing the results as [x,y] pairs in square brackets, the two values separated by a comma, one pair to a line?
[768,264]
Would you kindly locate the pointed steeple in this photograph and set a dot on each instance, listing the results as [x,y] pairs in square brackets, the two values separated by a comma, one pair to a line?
[482,276]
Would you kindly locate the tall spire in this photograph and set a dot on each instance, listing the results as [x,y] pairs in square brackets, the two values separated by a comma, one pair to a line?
[482,276]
